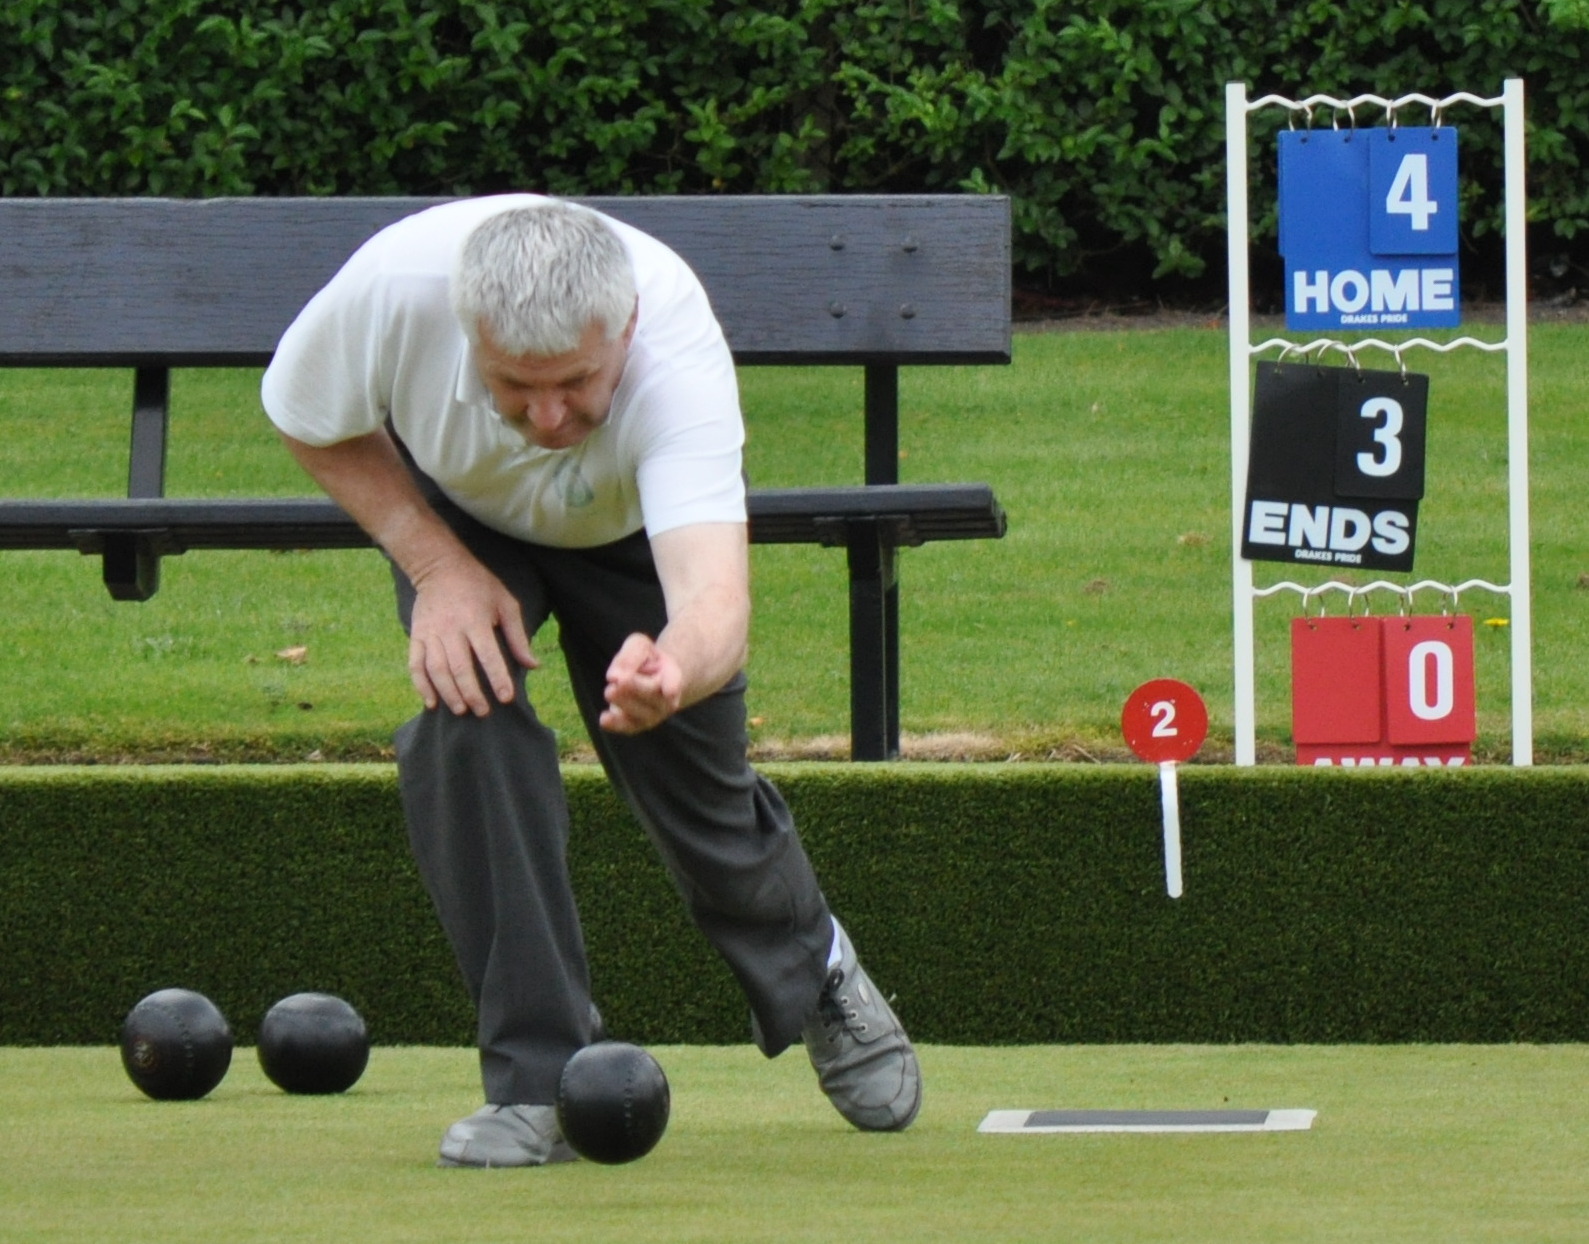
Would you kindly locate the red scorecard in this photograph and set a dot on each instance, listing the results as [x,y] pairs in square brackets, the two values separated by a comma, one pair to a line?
[1336,690]
[1164,720]
[1429,680]
[1382,691]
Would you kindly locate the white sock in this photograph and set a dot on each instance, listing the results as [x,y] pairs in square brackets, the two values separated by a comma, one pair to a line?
[835,951]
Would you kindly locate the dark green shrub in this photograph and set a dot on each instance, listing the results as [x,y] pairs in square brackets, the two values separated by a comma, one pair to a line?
[1104,121]
[1002,903]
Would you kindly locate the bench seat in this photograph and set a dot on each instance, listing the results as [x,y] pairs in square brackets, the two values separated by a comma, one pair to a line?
[912,515]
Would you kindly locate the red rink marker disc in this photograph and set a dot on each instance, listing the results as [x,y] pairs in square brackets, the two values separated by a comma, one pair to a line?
[1164,720]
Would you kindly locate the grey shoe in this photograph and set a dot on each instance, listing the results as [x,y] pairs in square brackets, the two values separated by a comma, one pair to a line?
[505,1136]
[864,1060]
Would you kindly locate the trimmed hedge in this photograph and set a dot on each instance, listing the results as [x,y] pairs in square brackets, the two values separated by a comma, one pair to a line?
[1103,121]
[1002,904]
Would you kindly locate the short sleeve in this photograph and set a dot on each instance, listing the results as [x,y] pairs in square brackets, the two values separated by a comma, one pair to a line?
[690,442]
[324,384]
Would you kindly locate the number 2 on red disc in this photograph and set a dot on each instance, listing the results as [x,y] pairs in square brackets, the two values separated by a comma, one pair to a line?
[1164,720]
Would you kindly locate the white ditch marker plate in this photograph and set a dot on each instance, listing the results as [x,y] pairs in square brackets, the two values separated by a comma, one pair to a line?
[1048,1122]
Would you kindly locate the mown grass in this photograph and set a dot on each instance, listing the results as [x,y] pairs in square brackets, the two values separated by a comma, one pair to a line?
[1110,451]
[1411,1143]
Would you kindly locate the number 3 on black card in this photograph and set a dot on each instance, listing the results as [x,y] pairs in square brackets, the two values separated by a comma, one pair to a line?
[1380,432]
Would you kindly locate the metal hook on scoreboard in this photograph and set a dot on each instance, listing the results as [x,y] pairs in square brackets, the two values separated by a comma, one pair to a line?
[1305,351]
[1293,107]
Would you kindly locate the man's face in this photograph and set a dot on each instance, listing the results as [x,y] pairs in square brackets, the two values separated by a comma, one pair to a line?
[555,400]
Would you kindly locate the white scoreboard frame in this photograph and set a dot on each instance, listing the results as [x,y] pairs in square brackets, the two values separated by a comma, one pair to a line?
[1514,346]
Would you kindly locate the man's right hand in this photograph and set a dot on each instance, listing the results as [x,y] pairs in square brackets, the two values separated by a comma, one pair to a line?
[460,606]
[459,609]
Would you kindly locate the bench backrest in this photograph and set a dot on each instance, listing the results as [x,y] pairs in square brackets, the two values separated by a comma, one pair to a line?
[892,279]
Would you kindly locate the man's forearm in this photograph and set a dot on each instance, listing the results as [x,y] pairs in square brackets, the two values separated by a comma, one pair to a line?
[460,607]
[705,578]
[368,479]
[708,640]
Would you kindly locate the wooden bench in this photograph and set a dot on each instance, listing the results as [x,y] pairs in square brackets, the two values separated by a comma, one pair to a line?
[877,282]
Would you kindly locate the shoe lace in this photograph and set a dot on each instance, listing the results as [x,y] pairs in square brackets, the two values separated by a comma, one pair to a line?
[838,1015]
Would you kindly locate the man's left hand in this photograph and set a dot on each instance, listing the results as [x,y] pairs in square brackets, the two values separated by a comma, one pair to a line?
[644,687]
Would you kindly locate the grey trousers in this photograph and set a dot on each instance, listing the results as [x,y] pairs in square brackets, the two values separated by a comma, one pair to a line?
[488,823]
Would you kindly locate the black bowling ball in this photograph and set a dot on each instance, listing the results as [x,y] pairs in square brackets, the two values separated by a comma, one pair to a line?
[176,1045]
[612,1102]
[313,1043]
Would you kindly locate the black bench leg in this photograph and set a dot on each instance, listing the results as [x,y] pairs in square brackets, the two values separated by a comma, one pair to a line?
[146,457]
[874,644]
[891,650]
[131,563]
[131,566]
[874,587]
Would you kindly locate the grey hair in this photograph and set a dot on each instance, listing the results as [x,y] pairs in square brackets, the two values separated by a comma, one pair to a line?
[536,278]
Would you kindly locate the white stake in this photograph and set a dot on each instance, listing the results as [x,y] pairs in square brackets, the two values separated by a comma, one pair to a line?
[1170,791]
[1165,722]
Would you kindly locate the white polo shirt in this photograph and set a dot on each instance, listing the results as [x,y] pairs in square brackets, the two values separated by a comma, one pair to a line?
[381,340]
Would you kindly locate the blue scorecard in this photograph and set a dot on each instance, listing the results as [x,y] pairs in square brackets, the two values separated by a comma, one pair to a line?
[1368,228]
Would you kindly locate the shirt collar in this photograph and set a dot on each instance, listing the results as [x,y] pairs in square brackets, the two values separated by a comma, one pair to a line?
[470,389]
